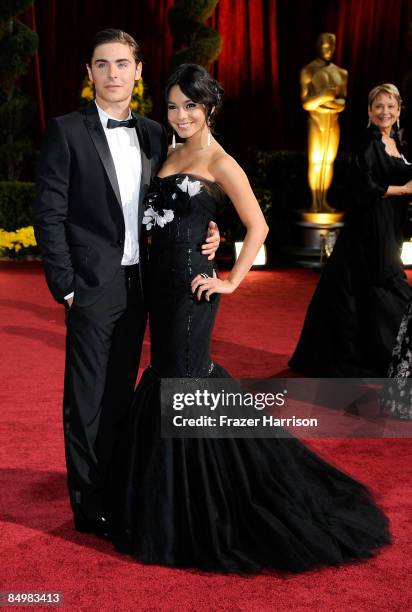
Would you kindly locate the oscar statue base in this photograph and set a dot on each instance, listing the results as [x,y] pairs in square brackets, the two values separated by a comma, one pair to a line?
[315,236]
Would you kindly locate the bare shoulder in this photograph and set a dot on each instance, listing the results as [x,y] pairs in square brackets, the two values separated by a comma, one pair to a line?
[224,167]
[172,151]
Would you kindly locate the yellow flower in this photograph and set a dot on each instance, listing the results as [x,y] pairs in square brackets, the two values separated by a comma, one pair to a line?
[87,92]
[140,100]
[26,236]
[17,240]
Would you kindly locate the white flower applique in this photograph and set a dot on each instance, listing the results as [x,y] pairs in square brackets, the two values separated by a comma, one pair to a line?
[152,218]
[190,187]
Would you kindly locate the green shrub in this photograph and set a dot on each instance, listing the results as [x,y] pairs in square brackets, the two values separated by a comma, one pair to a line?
[231,227]
[284,173]
[16,202]
[194,42]
[11,8]
[18,44]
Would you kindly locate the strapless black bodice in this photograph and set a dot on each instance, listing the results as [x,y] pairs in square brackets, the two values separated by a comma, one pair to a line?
[178,209]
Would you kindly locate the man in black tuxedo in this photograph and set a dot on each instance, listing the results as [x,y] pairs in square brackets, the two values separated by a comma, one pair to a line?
[94,170]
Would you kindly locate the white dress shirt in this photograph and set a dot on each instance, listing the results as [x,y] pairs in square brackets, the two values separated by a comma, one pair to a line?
[124,147]
[125,151]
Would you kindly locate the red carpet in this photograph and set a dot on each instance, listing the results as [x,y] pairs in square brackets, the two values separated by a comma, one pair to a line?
[255,333]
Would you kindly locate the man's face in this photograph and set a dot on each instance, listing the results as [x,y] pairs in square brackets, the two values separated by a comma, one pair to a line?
[114,71]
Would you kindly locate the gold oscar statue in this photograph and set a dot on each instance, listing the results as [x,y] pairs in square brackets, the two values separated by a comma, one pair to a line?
[323,93]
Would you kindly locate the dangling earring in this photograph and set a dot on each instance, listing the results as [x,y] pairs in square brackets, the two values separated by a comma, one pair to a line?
[209,135]
[398,124]
[369,122]
[174,140]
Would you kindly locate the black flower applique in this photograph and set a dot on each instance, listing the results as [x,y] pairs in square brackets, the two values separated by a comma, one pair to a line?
[168,197]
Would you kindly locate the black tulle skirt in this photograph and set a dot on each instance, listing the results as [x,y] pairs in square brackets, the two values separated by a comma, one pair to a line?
[353,318]
[234,505]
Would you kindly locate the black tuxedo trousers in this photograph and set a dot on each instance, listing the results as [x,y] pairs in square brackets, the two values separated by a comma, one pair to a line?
[103,349]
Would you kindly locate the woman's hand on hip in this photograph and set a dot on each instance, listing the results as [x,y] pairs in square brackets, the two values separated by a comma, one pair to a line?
[208,285]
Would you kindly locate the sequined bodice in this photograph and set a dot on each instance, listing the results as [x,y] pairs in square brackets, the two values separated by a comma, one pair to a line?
[178,209]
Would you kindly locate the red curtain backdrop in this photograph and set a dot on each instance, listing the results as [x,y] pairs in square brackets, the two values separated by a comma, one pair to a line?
[265,44]
[66,27]
[374,42]
[248,71]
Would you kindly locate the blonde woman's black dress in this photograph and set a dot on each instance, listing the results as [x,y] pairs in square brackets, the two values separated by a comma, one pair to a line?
[354,316]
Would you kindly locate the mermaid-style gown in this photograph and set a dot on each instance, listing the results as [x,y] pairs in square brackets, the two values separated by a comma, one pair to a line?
[232,505]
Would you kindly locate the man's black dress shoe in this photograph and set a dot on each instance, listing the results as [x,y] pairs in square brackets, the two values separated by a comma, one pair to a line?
[99,526]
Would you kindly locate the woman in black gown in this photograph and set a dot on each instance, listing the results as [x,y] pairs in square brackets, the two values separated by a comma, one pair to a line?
[355,313]
[232,505]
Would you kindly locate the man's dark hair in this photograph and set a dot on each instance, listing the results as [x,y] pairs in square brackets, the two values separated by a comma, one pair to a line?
[111,35]
[197,84]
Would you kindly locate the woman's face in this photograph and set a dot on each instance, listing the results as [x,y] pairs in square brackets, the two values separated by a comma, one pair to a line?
[184,115]
[384,111]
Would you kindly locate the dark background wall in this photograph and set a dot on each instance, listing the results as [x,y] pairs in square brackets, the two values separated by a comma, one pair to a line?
[265,43]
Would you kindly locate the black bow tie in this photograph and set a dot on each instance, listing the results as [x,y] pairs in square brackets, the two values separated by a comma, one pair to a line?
[128,123]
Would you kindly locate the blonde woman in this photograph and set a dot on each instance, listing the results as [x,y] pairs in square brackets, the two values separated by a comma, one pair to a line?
[354,316]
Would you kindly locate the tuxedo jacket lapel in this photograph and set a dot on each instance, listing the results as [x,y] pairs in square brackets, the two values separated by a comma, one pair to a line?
[95,129]
[146,156]
[94,126]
